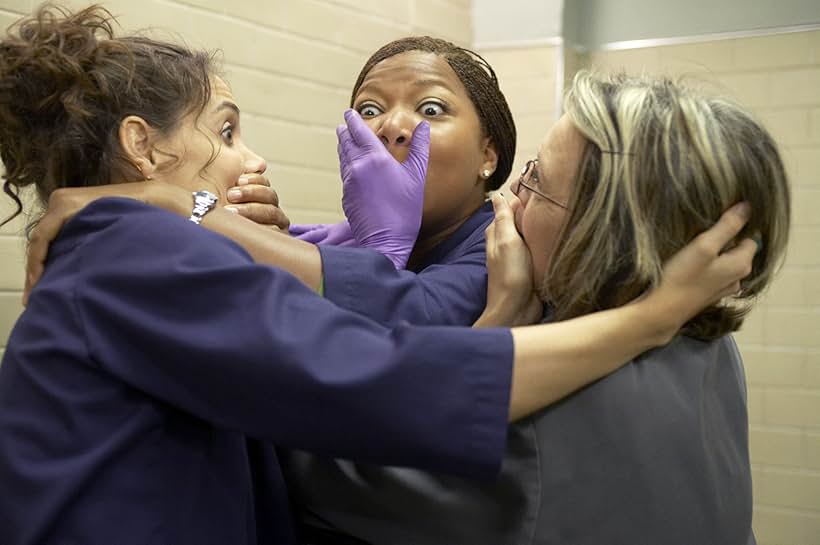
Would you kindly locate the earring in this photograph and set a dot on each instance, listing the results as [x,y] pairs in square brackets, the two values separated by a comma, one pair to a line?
[143,175]
[486,173]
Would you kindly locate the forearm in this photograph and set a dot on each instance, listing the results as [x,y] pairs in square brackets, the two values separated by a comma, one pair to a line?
[449,293]
[512,315]
[269,247]
[553,360]
[496,318]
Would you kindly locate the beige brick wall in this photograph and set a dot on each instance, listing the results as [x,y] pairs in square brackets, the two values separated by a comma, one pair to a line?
[778,77]
[529,77]
[11,244]
[291,65]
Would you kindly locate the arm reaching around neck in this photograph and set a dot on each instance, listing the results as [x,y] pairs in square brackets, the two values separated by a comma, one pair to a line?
[555,359]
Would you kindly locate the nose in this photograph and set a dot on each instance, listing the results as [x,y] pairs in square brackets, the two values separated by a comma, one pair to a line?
[254,163]
[397,128]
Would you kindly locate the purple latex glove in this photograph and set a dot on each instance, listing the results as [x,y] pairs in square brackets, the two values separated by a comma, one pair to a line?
[381,197]
[332,234]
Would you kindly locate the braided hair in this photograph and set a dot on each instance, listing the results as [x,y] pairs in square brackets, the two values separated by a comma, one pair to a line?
[479,78]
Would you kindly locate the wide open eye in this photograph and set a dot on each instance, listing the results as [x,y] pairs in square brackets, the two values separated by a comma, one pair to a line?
[369,110]
[431,109]
[227,134]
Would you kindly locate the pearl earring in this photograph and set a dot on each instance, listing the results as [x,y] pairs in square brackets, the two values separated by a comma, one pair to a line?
[486,173]
[143,175]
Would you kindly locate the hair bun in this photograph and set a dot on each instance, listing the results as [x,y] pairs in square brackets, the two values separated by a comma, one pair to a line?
[66,84]
[45,61]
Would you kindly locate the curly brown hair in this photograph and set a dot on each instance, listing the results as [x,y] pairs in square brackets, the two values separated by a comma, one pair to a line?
[66,83]
[478,77]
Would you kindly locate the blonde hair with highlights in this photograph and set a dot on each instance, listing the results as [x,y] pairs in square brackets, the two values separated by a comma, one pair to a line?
[662,163]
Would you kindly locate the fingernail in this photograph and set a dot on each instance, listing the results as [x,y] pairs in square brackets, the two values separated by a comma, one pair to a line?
[232,209]
[746,209]
[234,194]
[243,180]
[758,241]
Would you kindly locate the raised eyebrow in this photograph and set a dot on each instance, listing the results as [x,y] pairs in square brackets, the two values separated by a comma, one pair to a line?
[367,87]
[227,104]
[432,82]
[428,82]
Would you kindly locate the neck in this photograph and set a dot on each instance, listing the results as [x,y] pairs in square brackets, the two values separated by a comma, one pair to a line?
[426,242]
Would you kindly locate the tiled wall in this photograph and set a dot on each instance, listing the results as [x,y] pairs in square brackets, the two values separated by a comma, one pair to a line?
[291,65]
[528,77]
[778,77]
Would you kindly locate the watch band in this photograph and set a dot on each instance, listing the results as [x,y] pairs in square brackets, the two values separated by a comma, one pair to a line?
[204,202]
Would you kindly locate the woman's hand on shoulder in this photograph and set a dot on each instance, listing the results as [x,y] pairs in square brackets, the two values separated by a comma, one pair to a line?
[511,297]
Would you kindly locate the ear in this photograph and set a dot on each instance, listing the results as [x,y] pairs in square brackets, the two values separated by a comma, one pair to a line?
[490,159]
[136,141]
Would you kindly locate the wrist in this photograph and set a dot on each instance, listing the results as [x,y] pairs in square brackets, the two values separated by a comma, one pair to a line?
[495,317]
[661,318]
[168,197]
[203,202]
[485,320]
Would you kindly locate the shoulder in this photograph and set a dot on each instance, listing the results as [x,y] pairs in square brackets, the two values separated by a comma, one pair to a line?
[476,225]
[471,236]
[467,245]
[121,230]
[689,352]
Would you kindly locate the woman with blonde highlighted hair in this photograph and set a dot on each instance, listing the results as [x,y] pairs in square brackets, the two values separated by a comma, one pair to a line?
[656,452]
[664,161]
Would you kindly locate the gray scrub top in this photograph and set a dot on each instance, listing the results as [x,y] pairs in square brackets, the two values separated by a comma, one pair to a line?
[656,452]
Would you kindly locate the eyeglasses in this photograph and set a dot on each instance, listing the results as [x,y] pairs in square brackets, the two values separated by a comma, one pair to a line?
[529,172]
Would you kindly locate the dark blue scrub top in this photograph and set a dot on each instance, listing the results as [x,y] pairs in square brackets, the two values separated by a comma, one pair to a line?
[448,288]
[155,365]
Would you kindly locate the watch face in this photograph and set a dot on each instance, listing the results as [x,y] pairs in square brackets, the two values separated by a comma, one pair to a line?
[205,198]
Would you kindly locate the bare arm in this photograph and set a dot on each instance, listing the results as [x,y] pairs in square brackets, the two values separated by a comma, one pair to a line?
[301,259]
[553,360]
[257,201]
[266,246]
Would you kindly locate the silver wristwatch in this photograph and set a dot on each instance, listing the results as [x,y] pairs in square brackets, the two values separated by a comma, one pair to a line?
[204,202]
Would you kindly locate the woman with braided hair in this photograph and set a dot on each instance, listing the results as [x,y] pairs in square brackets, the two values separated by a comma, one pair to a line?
[472,146]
